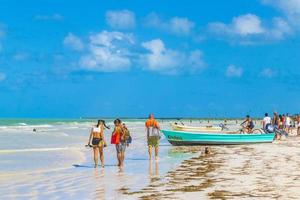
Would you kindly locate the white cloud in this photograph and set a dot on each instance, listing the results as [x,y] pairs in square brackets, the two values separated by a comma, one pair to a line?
[280,29]
[249,29]
[107,52]
[290,7]
[176,25]
[121,19]
[56,17]
[233,71]
[106,38]
[2,76]
[268,73]
[74,42]
[113,51]
[243,25]
[181,25]
[170,61]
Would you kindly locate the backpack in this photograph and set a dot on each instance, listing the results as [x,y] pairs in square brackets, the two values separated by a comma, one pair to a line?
[127,136]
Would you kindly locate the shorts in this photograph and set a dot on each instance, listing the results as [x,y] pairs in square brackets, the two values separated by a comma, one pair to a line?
[153,141]
[250,127]
[121,147]
[97,142]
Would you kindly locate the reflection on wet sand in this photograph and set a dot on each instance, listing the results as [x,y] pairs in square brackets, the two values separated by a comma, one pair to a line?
[190,176]
[99,188]
[153,172]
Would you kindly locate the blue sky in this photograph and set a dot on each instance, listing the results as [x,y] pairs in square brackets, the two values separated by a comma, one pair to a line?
[129,58]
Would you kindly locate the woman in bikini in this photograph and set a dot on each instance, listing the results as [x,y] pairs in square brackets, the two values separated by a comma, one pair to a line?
[98,142]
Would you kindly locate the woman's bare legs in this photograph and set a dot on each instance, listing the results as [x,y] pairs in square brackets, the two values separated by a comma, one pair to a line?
[119,159]
[118,156]
[101,155]
[95,150]
[122,158]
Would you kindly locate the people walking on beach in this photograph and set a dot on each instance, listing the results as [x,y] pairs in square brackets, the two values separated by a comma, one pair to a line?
[298,124]
[118,139]
[153,135]
[266,121]
[98,141]
[248,124]
[275,120]
[288,123]
[281,122]
[276,123]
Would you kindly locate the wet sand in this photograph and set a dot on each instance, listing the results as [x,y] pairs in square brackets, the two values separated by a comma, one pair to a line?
[264,171]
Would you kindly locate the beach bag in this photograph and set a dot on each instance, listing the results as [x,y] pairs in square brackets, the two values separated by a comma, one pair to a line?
[154,132]
[127,136]
[115,138]
[129,140]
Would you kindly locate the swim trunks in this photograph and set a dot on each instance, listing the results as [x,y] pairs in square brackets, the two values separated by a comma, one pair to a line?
[121,147]
[153,141]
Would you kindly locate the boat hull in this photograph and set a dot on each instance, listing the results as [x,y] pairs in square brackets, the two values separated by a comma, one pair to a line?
[181,138]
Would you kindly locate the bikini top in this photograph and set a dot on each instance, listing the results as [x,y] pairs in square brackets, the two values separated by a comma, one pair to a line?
[96,129]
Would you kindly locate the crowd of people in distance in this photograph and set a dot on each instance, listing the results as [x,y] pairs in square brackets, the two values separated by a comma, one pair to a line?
[284,123]
[121,138]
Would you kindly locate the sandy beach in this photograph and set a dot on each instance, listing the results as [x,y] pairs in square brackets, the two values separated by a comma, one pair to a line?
[54,164]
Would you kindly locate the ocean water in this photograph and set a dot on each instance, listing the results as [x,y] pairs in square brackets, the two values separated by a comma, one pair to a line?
[42,165]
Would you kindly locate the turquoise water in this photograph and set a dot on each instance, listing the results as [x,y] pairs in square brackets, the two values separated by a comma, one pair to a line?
[24,121]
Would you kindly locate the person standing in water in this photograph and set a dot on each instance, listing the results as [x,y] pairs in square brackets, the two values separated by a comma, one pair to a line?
[98,142]
[118,138]
[153,135]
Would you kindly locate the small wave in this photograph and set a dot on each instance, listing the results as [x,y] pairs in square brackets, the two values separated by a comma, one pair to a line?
[22,124]
[37,150]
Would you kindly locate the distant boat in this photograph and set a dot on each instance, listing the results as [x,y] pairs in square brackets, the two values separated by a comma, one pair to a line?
[180,138]
[178,127]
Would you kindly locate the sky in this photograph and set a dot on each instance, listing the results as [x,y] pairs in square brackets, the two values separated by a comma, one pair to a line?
[181,58]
